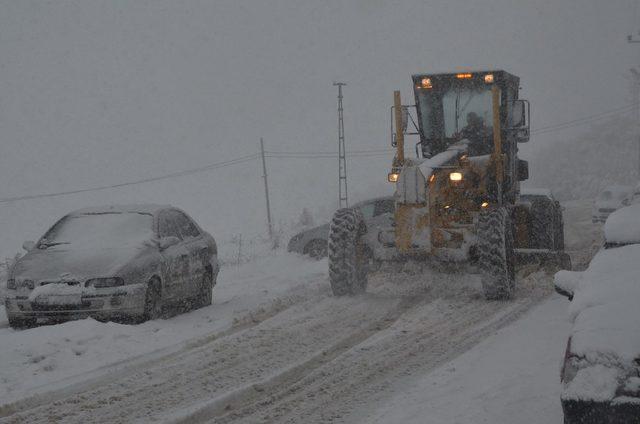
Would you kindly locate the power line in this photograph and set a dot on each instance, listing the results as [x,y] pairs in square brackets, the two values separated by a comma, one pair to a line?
[205,168]
[306,155]
[585,120]
[386,150]
[326,155]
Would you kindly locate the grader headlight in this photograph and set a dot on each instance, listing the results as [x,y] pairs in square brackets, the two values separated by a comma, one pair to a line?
[455,176]
[393,177]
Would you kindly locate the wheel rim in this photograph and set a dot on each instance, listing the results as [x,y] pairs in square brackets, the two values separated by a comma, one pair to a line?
[206,285]
[154,306]
[317,250]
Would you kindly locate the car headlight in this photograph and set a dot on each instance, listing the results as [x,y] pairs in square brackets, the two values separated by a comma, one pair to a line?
[11,284]
[455,176]
[30,284]
[100,283]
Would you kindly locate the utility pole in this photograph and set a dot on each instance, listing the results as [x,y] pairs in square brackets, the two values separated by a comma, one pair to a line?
[632,39]
[343,198]
[266,188]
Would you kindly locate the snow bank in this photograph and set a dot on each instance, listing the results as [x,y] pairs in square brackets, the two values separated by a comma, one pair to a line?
[582,166]
[623,225]
[38,359]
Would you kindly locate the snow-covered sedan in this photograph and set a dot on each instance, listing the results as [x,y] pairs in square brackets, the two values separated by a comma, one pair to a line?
[601,369]
[313,242]
[128,262]
[608,201]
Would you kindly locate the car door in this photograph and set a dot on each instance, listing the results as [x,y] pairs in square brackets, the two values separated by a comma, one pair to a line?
[198,251]
[175,259]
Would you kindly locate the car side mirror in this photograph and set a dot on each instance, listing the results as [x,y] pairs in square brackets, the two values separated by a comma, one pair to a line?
[566,282]
[564,292]
[28,245]
[166,242]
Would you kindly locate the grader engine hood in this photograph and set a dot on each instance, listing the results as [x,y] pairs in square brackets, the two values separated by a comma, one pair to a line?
[411,187]
[414,221]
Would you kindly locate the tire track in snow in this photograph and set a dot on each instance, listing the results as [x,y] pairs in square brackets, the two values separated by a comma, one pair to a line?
[340,348]
[113,372]
[221,366]
[421,340]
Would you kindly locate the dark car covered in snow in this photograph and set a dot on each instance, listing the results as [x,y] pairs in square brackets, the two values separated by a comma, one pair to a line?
[126,262]
[601,370]
[314,241]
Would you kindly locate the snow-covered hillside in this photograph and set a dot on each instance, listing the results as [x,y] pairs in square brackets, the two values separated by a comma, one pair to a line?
[579,167]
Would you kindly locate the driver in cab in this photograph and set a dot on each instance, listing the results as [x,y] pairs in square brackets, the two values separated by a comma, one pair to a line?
[479,135]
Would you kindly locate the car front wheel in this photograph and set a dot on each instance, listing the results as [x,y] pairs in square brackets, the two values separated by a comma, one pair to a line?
[317,249]
[206,289]
[153,300]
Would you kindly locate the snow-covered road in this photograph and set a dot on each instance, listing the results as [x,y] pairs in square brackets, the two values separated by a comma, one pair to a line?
[422,345]
[511,377]
[303,356]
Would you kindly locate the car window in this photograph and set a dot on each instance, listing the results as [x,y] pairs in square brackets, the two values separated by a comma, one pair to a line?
[384,206]
[186,227]
[167,226]
[367,210]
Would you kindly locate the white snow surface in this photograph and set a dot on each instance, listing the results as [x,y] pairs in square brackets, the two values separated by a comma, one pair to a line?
[429,165]
[512,376]
[41,359]
[597,382]
[623,225]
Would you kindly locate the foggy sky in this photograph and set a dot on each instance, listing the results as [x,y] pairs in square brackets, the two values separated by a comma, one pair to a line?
[101,92]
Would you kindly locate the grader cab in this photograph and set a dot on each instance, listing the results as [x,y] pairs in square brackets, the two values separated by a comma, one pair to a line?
[459,197]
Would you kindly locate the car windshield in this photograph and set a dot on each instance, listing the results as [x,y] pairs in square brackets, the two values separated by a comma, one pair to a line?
[103,229]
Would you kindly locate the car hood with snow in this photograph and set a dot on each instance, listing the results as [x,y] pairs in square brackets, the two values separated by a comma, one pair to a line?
[62,262]
[91,243]
[623,226]
[604,348]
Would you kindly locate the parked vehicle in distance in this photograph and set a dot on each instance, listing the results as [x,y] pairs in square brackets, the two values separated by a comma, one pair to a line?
[124,262]
[609,200]
[601,370]
[314,242]
[634,197]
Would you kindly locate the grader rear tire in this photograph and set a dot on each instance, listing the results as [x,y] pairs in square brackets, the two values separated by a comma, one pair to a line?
[496,258]
[347,253]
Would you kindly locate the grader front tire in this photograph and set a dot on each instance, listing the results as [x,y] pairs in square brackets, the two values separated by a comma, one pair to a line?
[347,253]
[496,258]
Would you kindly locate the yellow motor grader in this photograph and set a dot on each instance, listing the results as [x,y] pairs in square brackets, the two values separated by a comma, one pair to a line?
[459,198]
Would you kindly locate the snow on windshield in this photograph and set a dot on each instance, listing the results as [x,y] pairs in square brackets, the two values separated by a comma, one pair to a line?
[108,229]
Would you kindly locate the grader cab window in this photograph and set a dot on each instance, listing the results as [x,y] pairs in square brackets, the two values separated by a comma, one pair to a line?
[455,113]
